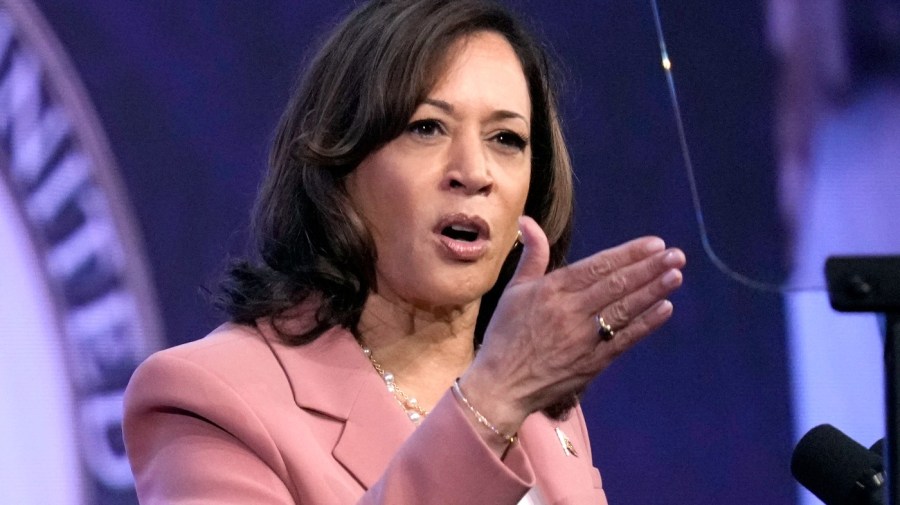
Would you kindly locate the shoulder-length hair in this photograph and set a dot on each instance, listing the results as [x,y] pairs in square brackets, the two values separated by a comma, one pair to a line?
[359,93]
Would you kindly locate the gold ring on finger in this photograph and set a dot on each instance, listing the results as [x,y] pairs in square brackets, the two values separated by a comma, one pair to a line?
[604,330]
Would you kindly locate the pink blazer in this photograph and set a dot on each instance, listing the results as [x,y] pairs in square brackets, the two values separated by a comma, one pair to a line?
[238,417]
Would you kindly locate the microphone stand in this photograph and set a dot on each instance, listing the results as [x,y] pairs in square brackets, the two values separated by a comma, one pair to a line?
[872,284]
[892,407]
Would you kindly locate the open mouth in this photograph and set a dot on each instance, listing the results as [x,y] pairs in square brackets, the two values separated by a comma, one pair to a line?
[463,228]
[459,232]
[463,238]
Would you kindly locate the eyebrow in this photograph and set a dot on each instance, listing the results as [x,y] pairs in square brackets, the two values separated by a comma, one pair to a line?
[499,114]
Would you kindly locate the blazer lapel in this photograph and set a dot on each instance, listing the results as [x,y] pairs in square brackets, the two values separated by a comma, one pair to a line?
[565,475]
[332,376]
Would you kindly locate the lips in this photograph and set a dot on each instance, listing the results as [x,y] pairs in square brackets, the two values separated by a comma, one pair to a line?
[463,237]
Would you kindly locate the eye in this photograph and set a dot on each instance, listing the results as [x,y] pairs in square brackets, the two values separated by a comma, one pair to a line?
[511,140]
[425,128]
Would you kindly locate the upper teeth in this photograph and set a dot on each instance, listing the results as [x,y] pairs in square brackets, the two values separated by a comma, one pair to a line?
[459,227]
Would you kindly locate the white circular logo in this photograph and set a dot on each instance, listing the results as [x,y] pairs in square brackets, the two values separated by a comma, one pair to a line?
[77,309]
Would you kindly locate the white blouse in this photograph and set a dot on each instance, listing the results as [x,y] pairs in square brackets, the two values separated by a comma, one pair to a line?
[531,498]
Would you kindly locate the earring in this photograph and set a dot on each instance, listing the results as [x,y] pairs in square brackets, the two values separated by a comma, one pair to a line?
[518,241]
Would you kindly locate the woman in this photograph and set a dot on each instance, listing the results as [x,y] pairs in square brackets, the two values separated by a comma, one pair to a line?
[418,193]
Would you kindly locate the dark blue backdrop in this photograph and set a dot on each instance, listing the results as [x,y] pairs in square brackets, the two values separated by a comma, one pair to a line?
[189,93]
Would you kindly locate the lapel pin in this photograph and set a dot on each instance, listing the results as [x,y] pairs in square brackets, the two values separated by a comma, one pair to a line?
[567,445]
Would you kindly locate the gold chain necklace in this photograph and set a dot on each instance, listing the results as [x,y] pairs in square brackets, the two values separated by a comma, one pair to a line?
[410,405]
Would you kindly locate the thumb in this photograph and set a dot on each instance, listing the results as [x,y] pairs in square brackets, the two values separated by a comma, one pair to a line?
[535,253]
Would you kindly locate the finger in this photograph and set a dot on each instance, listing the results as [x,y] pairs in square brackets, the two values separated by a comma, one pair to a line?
[623,311]
[646,275]
[535,252]
[595,268]
[644,324]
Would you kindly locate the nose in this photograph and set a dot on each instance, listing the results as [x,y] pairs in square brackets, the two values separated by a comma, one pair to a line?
[468,166]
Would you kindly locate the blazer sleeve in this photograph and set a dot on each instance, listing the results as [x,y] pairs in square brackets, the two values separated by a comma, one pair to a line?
[445,461]
[192,439]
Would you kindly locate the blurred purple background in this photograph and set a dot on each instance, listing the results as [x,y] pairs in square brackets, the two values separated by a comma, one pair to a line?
[189,93]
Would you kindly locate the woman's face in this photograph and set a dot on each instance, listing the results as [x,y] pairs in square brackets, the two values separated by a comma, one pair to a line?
[442,199]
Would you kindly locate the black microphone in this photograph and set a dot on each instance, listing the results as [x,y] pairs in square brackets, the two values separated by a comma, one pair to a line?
[878,447]
[837,469]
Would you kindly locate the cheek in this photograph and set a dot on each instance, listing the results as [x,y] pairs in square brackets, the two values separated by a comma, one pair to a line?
[393,217]
[524,186]
[378,200]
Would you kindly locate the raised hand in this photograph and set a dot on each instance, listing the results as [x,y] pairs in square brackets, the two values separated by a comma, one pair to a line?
[545,340]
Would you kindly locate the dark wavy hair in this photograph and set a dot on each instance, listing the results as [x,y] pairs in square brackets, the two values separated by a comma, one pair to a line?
[359,92]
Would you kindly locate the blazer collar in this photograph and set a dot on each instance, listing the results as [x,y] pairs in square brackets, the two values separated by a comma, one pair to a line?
[332,376]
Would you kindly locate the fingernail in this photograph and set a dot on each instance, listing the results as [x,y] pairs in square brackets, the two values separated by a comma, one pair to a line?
[655,244]
[671,278]
[664,307]
[672,259]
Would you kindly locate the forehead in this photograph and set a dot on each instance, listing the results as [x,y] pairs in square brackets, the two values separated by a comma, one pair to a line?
[483,66]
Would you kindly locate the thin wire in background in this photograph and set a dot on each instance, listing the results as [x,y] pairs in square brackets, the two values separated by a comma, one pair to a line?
[740,278]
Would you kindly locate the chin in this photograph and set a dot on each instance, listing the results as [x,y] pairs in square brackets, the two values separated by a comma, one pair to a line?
[439,285]
[468,288]
[450,297]
[446,292]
